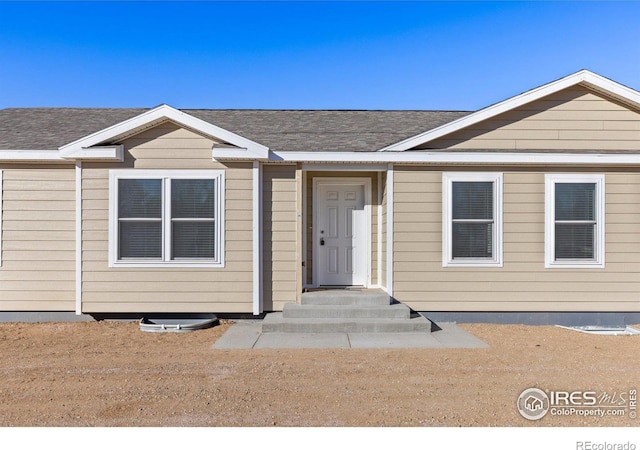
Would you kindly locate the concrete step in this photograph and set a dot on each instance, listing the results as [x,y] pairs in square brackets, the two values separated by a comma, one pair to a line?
[345,298]
[313,311]
[275,323]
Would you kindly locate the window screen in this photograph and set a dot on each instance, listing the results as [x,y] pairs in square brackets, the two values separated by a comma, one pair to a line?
[473,219]
[140,219]
[193,219]
[575,220]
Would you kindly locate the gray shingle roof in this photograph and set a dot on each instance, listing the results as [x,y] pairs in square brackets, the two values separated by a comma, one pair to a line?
[50,128]
[280,130]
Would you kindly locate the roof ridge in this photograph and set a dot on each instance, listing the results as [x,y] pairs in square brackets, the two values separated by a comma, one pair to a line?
[328,110]
[108,108]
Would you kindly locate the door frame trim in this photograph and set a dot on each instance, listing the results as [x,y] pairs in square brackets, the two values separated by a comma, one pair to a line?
[358,181]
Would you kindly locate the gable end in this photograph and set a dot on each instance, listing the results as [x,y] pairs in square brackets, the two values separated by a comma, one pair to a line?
[576,119]
[605,87]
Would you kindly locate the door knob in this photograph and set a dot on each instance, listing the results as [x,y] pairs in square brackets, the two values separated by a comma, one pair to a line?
[321,241]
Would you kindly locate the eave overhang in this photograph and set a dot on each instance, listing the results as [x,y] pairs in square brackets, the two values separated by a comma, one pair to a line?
[460,158]
[222,153]
[40,156]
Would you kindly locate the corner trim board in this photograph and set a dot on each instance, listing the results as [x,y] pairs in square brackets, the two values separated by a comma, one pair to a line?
[78,238]
[379,231]
[258,306]
[390,237]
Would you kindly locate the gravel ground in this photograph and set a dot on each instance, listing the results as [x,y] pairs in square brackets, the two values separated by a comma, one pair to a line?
[112,374]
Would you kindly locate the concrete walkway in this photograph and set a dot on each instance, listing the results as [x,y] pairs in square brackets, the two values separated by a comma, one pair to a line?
[248,334]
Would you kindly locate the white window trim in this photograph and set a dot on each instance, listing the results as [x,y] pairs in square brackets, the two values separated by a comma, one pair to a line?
[447,224]
[115,175]
[549,215]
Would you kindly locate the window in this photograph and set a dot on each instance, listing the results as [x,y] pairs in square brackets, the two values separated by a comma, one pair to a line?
[472,219]
[574,216]
[163,218]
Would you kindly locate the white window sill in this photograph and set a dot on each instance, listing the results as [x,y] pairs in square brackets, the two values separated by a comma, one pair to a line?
[170,264]
[472,263]
[574,265]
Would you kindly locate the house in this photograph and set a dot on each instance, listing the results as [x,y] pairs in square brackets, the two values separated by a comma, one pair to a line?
[533,404]
[528,206]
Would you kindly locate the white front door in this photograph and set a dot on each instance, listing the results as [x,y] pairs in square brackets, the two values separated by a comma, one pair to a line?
[341,233]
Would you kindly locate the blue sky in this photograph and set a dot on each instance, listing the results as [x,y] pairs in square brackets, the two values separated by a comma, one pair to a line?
[306,55]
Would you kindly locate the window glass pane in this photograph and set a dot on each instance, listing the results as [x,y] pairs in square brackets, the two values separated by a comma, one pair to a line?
[193,240]
[193,199]
[575,201]
[472,240]
[473,200]
[139,198]
[141,240]
[575,241]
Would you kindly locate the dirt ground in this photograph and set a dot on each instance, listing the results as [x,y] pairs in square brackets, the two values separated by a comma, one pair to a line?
[112,374]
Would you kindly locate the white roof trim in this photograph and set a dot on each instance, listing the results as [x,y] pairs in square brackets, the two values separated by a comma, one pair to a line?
[31,155]
[585,77]
[82,148]
[219,153]
[346,158]
[475,158]
[103,153]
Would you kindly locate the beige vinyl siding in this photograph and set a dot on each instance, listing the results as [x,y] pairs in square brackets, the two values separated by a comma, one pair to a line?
[38,238]
[523,283]
[127,289]
[309,209]
[574,119]
[279,239]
